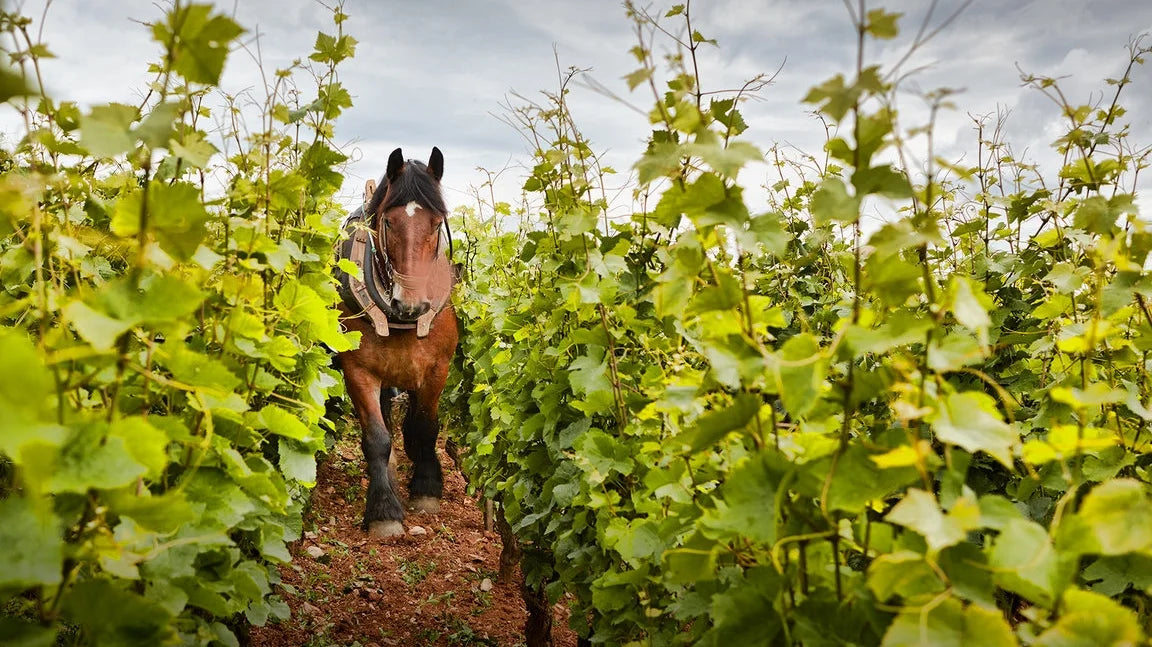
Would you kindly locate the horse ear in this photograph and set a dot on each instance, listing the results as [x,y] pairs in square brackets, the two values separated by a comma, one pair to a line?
[395,163]
[436,163]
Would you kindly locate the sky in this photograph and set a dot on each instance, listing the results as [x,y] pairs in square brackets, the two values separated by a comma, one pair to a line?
[439,74]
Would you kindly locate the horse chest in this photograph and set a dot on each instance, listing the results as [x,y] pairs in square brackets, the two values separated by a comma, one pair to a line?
[404,360]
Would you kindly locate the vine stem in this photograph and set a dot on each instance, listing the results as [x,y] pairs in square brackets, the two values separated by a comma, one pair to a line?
[617,391]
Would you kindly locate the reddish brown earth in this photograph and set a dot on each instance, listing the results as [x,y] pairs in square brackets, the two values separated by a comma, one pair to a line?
[437,585]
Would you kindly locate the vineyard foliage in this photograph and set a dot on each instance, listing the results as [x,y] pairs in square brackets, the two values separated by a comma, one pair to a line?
[165,302]
[717,422]
[711,422]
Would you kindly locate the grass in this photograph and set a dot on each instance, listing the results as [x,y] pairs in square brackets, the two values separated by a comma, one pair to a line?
[462,634]
[446,532]
[314,581]
[480,574]
[456,632]
[434,599]
[414,572]
[353,469]
[352,493]
[321,637]
[483,602]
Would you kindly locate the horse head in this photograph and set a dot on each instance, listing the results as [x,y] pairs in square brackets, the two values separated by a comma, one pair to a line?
[410,215]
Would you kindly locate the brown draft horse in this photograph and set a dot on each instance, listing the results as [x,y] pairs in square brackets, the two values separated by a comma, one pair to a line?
[407,215]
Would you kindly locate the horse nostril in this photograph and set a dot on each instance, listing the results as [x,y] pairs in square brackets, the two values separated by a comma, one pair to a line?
[410,310]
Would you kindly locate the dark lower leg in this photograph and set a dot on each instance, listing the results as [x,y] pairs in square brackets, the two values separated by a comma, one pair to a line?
[376,441]
[420,430]
[383,503]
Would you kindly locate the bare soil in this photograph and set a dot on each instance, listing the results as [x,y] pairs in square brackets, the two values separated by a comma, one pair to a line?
[436,585]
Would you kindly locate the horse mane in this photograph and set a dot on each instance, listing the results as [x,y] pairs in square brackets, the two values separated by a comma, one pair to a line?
[414,184]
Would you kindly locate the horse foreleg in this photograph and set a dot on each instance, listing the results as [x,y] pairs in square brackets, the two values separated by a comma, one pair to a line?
[384,512]
[421,427]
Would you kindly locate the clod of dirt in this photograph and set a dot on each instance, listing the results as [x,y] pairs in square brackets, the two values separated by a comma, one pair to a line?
[308,534]
[308,609]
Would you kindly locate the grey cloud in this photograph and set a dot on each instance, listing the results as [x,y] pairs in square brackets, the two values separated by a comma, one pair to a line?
[429,74]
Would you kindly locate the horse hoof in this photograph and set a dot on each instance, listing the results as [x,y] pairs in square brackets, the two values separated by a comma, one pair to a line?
[384,529]
[426,504]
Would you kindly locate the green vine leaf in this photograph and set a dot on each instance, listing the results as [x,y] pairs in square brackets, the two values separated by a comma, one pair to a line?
[33,550]
[971,420]
[1092,619]
[199,41]
[949,624]
[919,511]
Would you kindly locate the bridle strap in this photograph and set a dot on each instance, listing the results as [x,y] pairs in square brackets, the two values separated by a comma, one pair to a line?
[447,230]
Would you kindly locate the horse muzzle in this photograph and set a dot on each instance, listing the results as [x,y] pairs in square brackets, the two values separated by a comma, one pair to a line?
[410,310]
[408,296]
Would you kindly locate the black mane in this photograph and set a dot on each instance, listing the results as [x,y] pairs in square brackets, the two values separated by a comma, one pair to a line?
[414,184]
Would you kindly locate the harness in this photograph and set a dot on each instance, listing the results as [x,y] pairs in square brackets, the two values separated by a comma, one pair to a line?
[371,295]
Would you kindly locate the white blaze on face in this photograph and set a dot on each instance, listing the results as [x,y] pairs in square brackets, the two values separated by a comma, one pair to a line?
[403,290]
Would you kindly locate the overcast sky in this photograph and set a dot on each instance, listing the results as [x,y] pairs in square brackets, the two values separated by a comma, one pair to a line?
[436,73]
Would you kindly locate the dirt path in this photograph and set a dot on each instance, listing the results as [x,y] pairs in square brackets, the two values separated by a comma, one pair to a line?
[437,585]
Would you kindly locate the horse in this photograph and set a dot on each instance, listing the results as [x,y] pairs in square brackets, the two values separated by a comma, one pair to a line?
[407,332]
